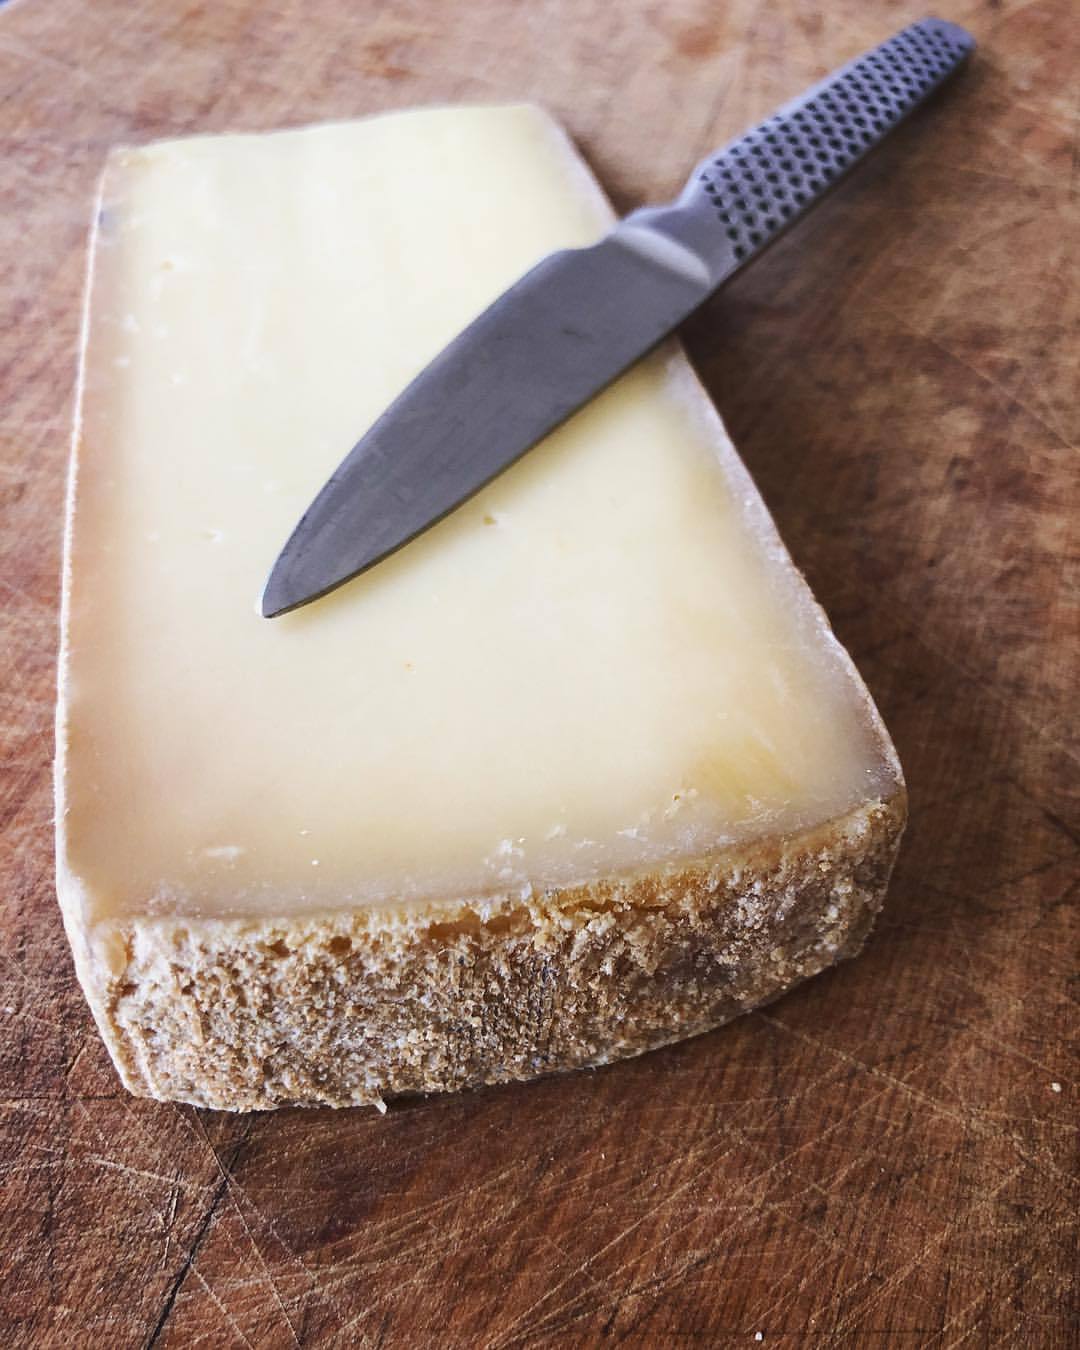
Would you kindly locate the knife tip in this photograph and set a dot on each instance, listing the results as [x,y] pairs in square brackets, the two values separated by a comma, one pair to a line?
[289,587]
[277,598]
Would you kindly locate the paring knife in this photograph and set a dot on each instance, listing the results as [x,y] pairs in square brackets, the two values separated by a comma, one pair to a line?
[583,316]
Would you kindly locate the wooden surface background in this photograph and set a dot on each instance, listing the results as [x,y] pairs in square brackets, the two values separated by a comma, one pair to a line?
[887,1156]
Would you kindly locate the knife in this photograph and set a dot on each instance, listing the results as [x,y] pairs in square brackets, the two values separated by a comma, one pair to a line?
[582,316]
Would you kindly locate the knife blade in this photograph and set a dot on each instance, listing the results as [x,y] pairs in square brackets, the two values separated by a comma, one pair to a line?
[581,317]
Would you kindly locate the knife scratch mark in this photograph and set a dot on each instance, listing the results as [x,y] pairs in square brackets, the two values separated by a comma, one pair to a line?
[25,53]
[856,1315]
[978,1121]
[235,1193]
[187,1265]
[743,1213]
[221,1308]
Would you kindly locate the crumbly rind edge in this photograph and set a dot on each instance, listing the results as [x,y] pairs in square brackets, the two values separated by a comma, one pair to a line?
[354,1007]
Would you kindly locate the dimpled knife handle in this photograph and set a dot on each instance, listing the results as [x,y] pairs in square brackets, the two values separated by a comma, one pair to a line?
[768,178]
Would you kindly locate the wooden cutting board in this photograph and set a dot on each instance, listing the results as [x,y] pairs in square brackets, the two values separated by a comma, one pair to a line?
[887,1155]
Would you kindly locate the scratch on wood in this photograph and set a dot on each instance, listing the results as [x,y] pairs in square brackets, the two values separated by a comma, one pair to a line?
[236,1193]
[188,1263]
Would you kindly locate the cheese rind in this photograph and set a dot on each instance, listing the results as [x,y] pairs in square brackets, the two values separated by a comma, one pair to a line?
[599,683]
[355,1007]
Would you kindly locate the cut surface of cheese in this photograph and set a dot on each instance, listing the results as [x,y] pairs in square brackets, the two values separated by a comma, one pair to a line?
[602,667]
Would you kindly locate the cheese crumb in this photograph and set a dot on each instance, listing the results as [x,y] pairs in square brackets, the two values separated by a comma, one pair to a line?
[228,852]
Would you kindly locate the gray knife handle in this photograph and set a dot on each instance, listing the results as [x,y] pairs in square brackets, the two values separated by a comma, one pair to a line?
[739,200]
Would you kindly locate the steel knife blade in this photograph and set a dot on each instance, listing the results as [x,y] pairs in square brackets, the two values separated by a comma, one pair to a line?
[581,317]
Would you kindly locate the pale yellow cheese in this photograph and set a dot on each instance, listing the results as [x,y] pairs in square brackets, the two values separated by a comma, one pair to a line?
[603,663]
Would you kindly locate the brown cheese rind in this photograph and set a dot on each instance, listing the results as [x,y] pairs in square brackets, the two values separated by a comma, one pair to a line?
[352,1008]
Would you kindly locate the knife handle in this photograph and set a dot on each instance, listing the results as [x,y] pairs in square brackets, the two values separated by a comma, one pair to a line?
[738,200]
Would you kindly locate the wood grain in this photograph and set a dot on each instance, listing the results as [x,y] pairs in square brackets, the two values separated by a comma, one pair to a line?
[887,1156]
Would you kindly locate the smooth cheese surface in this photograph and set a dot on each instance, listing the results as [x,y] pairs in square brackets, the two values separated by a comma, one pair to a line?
[603,662]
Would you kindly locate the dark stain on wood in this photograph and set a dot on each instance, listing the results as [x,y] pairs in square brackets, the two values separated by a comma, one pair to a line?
[698,41]
[379,59]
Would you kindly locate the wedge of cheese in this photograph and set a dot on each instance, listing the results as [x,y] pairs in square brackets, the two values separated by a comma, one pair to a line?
[579,772]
